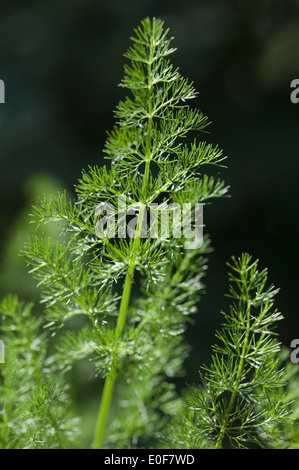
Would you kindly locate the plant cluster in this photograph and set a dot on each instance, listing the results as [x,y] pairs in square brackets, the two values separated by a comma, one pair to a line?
[124,302]
[34,399]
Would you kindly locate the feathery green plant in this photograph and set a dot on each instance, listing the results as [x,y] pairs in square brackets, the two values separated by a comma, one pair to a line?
[135,340]
[120,292]
[34,401]
[241,402]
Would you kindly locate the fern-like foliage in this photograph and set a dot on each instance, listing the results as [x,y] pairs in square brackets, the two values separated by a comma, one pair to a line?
[136,344]
[34,401]
[241,401]
[156,327]
[289,429]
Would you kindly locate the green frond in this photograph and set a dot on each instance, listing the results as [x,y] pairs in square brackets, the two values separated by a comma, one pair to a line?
[135,285]
[34,400]
[68,287]
[240,403]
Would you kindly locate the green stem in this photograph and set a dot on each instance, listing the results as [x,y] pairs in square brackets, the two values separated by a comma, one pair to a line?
[111,377]
[103,411]
[238,377]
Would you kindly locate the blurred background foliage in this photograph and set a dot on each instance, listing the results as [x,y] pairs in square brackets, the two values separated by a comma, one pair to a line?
[61,62]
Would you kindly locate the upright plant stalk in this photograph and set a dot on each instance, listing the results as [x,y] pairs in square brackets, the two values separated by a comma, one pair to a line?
[240,402]
[77,273]
[110,380]
[238,377]
[111,377]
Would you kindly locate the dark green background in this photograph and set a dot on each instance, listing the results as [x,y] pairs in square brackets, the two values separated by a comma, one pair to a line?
[61,62]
